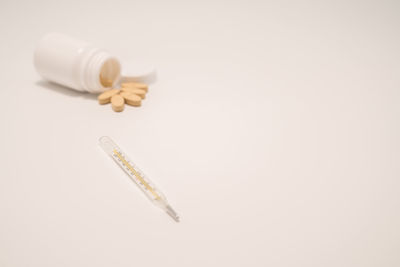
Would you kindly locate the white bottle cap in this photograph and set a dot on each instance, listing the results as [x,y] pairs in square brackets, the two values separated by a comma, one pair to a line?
[138,72]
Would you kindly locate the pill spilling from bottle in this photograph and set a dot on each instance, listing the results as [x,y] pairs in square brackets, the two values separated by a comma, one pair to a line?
[131,93]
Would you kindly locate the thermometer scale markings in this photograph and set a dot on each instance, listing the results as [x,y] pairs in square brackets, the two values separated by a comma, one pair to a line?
[140,178]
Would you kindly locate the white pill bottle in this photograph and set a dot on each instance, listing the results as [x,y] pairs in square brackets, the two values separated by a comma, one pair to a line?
[76,64]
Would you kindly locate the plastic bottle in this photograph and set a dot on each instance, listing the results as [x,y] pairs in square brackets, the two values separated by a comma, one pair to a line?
[76,64]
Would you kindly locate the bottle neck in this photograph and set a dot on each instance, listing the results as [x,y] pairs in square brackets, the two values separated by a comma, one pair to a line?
[92,66]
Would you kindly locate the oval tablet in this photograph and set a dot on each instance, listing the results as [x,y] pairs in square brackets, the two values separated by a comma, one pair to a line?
[135,85]
[139,92]
[117,103]
[124,93]
[133,100]
[105,97]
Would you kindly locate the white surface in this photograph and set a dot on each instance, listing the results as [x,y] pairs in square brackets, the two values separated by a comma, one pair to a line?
[273,129]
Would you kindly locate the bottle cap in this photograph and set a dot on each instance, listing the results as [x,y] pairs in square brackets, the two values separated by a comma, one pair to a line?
[138,72]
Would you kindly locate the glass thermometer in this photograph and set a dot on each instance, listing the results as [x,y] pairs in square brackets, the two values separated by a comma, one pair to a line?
[137,176]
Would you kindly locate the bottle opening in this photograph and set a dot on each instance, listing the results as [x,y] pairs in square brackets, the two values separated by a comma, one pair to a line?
[110,72]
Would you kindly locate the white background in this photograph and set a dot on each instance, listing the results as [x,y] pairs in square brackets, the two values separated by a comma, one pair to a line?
[273,130]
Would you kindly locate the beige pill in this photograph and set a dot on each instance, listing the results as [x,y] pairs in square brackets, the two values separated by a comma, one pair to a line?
[132,99]
[142,86]
[106,82]
[124,93]
[105,97]
[139,92]
[117,103]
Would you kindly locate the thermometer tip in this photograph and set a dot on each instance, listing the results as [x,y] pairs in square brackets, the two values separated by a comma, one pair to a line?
[172,213]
